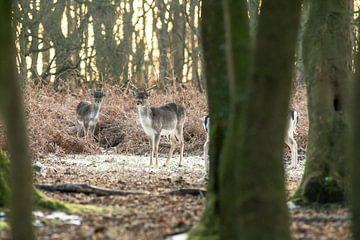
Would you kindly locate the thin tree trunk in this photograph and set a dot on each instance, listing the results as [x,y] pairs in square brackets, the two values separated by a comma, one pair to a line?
[12,111]
[253,6]
[219,100]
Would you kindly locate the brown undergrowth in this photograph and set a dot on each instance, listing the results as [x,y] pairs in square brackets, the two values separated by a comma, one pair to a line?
[51,121]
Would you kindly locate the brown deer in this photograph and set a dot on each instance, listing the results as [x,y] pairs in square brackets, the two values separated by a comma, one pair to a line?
[167,119]
[88,114]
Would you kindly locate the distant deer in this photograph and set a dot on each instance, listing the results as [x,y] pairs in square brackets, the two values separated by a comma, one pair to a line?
[292,121]
[88,114]
[167,120]
[206,125]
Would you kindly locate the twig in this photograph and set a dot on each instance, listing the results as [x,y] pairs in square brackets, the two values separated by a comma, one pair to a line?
[84,188]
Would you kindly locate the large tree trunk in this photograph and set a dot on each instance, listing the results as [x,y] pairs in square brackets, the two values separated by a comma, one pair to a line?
[12,111]
[4,180]
[219,99]
[252,163]
[354,150]
[327,65]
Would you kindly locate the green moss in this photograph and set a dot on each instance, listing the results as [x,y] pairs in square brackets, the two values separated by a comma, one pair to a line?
[4,179]
[318,188]
[208,227]
[3,225]
[44,202]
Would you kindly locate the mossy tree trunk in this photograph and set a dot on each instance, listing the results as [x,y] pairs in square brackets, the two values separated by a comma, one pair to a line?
[327,66]
[12,111]
[234,207]
[4,180]
[252,191]
[213,40]
[354,150]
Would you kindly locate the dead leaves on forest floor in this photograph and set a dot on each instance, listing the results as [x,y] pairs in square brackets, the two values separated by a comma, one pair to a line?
[154,215]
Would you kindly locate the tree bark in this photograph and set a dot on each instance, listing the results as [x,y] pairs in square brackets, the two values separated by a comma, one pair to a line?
[354,149]
[219,100]
[253,6]
[252,159]
[12,111]
[327,66]
[4,180]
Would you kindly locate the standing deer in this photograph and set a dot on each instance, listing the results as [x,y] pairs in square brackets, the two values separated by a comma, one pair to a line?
[167,120]
[292,121]
[88,114]
[206,125]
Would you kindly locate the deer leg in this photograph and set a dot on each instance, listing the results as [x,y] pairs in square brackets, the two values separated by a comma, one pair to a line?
[206,148]
[291,143]
[152,145]
[172,147]
[92,126]
[181,138]
[79,128]
[295,153]
[206,155]
[157,141]
[86,130]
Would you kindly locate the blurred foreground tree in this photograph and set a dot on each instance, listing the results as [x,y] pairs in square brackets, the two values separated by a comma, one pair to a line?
[240,205]
[217,80]
[252,162]
[12,113]
[354,150]
[327,69]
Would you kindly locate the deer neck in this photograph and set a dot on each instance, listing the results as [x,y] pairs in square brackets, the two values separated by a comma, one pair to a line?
[144,112]
[95,108]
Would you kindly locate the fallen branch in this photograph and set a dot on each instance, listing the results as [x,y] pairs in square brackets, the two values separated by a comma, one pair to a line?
[89,189]
[84,188]
[188,191]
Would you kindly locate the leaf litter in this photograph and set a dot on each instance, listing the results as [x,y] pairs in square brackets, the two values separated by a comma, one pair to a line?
[154,214]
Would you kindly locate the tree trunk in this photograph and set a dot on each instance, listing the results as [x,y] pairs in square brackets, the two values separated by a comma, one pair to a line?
[4,180]
[219,99]
[253,6]
[12,111]
[178,38]
[163,42]
[252,161]
[354,149]
[327,66]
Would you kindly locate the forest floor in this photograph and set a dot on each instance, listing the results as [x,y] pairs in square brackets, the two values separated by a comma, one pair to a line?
[156,205]
[157,211]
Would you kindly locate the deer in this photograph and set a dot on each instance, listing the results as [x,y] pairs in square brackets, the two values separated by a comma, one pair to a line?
[292,121]
[88,114]
[206,126]
[167,119]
